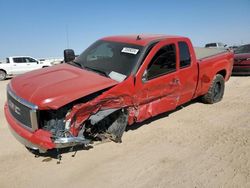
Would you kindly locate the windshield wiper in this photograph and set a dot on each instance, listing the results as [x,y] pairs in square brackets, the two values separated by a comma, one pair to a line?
[97,70]
[75,63]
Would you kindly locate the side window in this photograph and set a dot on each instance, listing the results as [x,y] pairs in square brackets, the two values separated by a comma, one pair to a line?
[30,60]
[19,60]
[185,59]
[163,62]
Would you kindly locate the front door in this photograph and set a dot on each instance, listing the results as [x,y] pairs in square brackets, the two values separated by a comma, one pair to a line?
[157,81]
[32,64]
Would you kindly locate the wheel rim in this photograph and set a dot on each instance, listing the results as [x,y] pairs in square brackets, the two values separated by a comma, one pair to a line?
[217,91]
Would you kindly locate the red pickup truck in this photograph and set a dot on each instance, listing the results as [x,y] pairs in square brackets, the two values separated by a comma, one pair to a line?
[115,82]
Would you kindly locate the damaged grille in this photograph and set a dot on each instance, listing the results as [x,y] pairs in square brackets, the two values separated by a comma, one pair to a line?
[24,112]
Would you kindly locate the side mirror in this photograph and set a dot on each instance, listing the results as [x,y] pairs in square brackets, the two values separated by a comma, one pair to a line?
[69,55]
[145,76]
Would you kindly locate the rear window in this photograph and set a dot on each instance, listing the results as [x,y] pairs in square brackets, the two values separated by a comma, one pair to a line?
[185,59]
[19,60]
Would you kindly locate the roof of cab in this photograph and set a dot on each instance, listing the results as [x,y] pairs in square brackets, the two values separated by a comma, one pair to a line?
[143,40]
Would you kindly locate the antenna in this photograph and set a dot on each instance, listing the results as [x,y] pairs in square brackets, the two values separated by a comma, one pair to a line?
[67,36]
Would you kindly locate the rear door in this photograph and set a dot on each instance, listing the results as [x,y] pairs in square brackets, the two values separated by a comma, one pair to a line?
[157,82]
[188,72]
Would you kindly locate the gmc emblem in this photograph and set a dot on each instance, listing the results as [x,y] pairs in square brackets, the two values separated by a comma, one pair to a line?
[15,108]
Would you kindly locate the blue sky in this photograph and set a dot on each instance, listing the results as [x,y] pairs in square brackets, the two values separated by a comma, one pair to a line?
[39,28]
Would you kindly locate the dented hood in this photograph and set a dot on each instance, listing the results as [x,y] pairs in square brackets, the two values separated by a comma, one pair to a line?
[56,86]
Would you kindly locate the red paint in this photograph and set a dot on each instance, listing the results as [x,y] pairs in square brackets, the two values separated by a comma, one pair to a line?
[64,83]
[56,86]
[39,137]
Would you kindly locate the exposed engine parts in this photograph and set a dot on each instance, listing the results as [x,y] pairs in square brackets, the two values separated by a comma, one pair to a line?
[108,123]
[105,124]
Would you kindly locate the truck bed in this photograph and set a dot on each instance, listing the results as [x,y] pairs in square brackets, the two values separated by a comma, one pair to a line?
[202,53]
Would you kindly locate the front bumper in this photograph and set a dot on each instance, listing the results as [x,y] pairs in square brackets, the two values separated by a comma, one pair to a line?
[39,139]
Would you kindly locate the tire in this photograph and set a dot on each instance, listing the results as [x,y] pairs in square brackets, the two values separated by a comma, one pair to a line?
[2,75]
[216,90]
[118,127]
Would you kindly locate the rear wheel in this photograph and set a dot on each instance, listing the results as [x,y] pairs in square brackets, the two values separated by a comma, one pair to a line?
[216,90]
[2,75]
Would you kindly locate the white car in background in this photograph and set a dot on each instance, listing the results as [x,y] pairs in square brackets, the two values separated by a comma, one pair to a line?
[20,64]
[52,61]
[216,45]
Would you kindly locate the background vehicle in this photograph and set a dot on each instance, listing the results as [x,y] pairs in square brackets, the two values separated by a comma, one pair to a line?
[115,82]
[242,60]
[52,61]
[233,47]
[216,45]
[20,64]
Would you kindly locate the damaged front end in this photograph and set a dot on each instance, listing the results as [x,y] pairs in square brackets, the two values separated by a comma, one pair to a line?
[105,124]
[99,116]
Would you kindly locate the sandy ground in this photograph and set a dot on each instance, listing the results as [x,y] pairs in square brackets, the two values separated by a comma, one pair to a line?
[197,146]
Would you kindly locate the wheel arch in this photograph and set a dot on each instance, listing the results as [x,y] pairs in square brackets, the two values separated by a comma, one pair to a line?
[222,73]
[3,70]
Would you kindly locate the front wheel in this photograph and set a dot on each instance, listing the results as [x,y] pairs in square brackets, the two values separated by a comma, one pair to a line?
[2,75]
[216,90]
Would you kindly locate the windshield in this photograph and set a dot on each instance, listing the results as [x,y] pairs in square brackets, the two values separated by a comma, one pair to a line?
[114,59]
[243,49]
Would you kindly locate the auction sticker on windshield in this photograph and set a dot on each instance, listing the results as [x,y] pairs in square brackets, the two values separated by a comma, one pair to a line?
[117,76]
[130,50]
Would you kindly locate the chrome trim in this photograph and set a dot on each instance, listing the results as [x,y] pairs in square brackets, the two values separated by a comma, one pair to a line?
[33,120]
[63,142]
[33,110]
[21,100]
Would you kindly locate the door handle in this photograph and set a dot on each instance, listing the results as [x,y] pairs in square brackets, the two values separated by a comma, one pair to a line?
[175,81]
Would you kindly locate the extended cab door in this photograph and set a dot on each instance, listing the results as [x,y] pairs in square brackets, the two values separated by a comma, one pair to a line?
[157,81]
[188,71]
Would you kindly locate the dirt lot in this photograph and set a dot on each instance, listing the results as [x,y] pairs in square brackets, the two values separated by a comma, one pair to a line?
[197,146]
